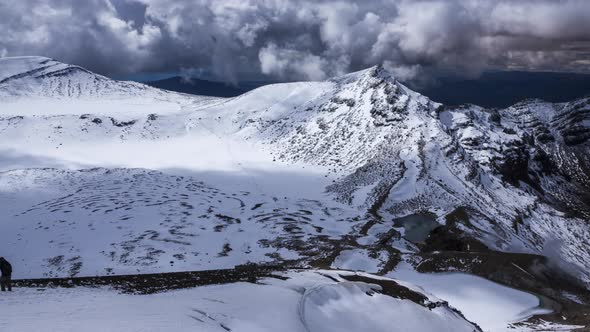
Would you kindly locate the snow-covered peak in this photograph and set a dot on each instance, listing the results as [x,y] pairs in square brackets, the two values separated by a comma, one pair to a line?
[35,76]
[380,72]
[33,85]
[375,73]
[37,67]
[13,67]
[384,89]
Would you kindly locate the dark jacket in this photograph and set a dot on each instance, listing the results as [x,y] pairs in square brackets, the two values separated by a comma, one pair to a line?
[5,268]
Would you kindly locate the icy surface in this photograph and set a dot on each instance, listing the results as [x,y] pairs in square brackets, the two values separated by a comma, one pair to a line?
[492,306]
[347,307]
[358,260]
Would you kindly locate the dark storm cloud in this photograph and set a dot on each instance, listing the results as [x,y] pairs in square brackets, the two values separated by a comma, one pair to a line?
[239,39]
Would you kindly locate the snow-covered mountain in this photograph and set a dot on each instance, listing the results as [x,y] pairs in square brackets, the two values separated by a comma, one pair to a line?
[357,172]
[43,77]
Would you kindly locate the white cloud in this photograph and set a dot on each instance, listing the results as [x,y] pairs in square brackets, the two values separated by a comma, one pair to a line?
[286,63]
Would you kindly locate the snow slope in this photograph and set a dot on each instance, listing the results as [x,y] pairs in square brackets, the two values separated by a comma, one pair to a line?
[307,301]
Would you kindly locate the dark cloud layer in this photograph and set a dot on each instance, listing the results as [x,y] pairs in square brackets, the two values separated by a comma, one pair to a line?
[301,39]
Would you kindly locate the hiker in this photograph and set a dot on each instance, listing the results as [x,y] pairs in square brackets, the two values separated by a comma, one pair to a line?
[5,279]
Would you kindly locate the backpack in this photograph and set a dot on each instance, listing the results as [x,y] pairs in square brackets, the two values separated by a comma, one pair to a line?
[6,268]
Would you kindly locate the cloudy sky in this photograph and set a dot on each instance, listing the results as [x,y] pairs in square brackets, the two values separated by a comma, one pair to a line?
[236,40]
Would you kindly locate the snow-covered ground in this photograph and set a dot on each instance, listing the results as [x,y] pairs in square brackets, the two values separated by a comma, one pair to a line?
[124,221]
[307,302]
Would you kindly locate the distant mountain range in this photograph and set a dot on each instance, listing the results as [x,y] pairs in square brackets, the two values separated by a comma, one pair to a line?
[502,89]
[201,87]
